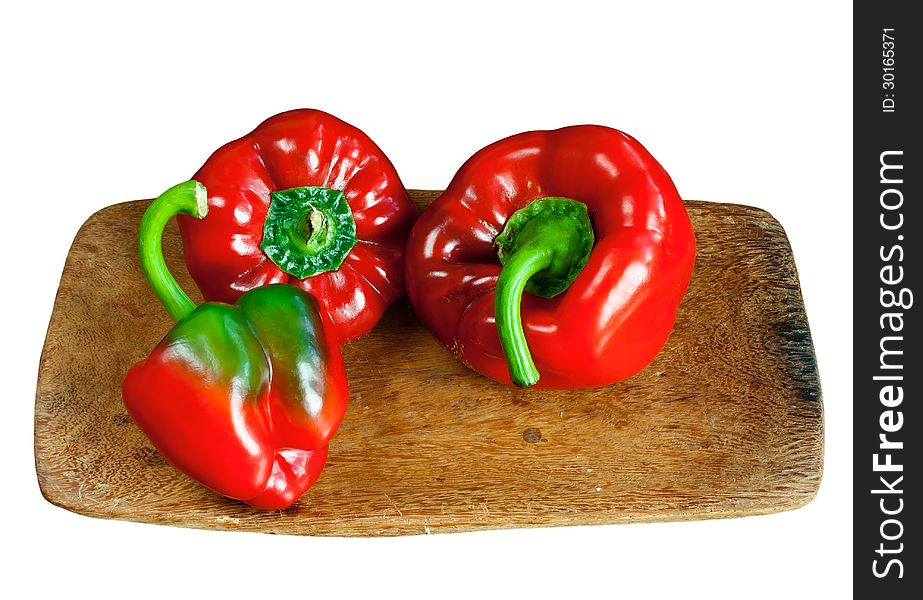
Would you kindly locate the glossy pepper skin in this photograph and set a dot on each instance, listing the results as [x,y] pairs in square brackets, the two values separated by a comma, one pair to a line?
[583,215]
[333,180]
[243,398]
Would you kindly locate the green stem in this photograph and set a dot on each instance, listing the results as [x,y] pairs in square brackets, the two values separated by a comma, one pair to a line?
[189,198]
[507,302]
[543,248]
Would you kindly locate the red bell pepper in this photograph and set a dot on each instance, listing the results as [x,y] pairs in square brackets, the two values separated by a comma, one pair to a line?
[305,199]
[245,398]
[588,224]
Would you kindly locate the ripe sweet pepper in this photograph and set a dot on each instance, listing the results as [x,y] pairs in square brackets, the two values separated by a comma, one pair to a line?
[555,258]
[242,398]
[309,200]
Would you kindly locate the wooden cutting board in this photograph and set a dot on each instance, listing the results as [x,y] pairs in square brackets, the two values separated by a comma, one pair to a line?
[726,422]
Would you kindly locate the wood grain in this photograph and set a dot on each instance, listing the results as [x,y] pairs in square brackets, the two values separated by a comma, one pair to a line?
[727,421]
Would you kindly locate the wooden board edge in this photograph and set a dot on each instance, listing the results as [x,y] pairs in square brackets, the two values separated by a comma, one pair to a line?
[401,529]
[809,376]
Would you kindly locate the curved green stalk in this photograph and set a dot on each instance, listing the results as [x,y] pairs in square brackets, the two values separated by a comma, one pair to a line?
[543,248]
[188,198]
[526,262]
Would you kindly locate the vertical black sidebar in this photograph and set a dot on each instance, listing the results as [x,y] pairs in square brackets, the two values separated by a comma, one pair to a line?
[888,370]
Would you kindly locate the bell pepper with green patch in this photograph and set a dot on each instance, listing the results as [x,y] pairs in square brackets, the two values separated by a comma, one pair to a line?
[243,398]
[309,200]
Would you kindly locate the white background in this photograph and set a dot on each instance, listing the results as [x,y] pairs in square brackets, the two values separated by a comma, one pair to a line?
[746,105]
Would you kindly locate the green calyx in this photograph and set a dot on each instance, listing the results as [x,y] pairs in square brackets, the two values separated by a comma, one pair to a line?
[188,198]
[309,230]
[543,247]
